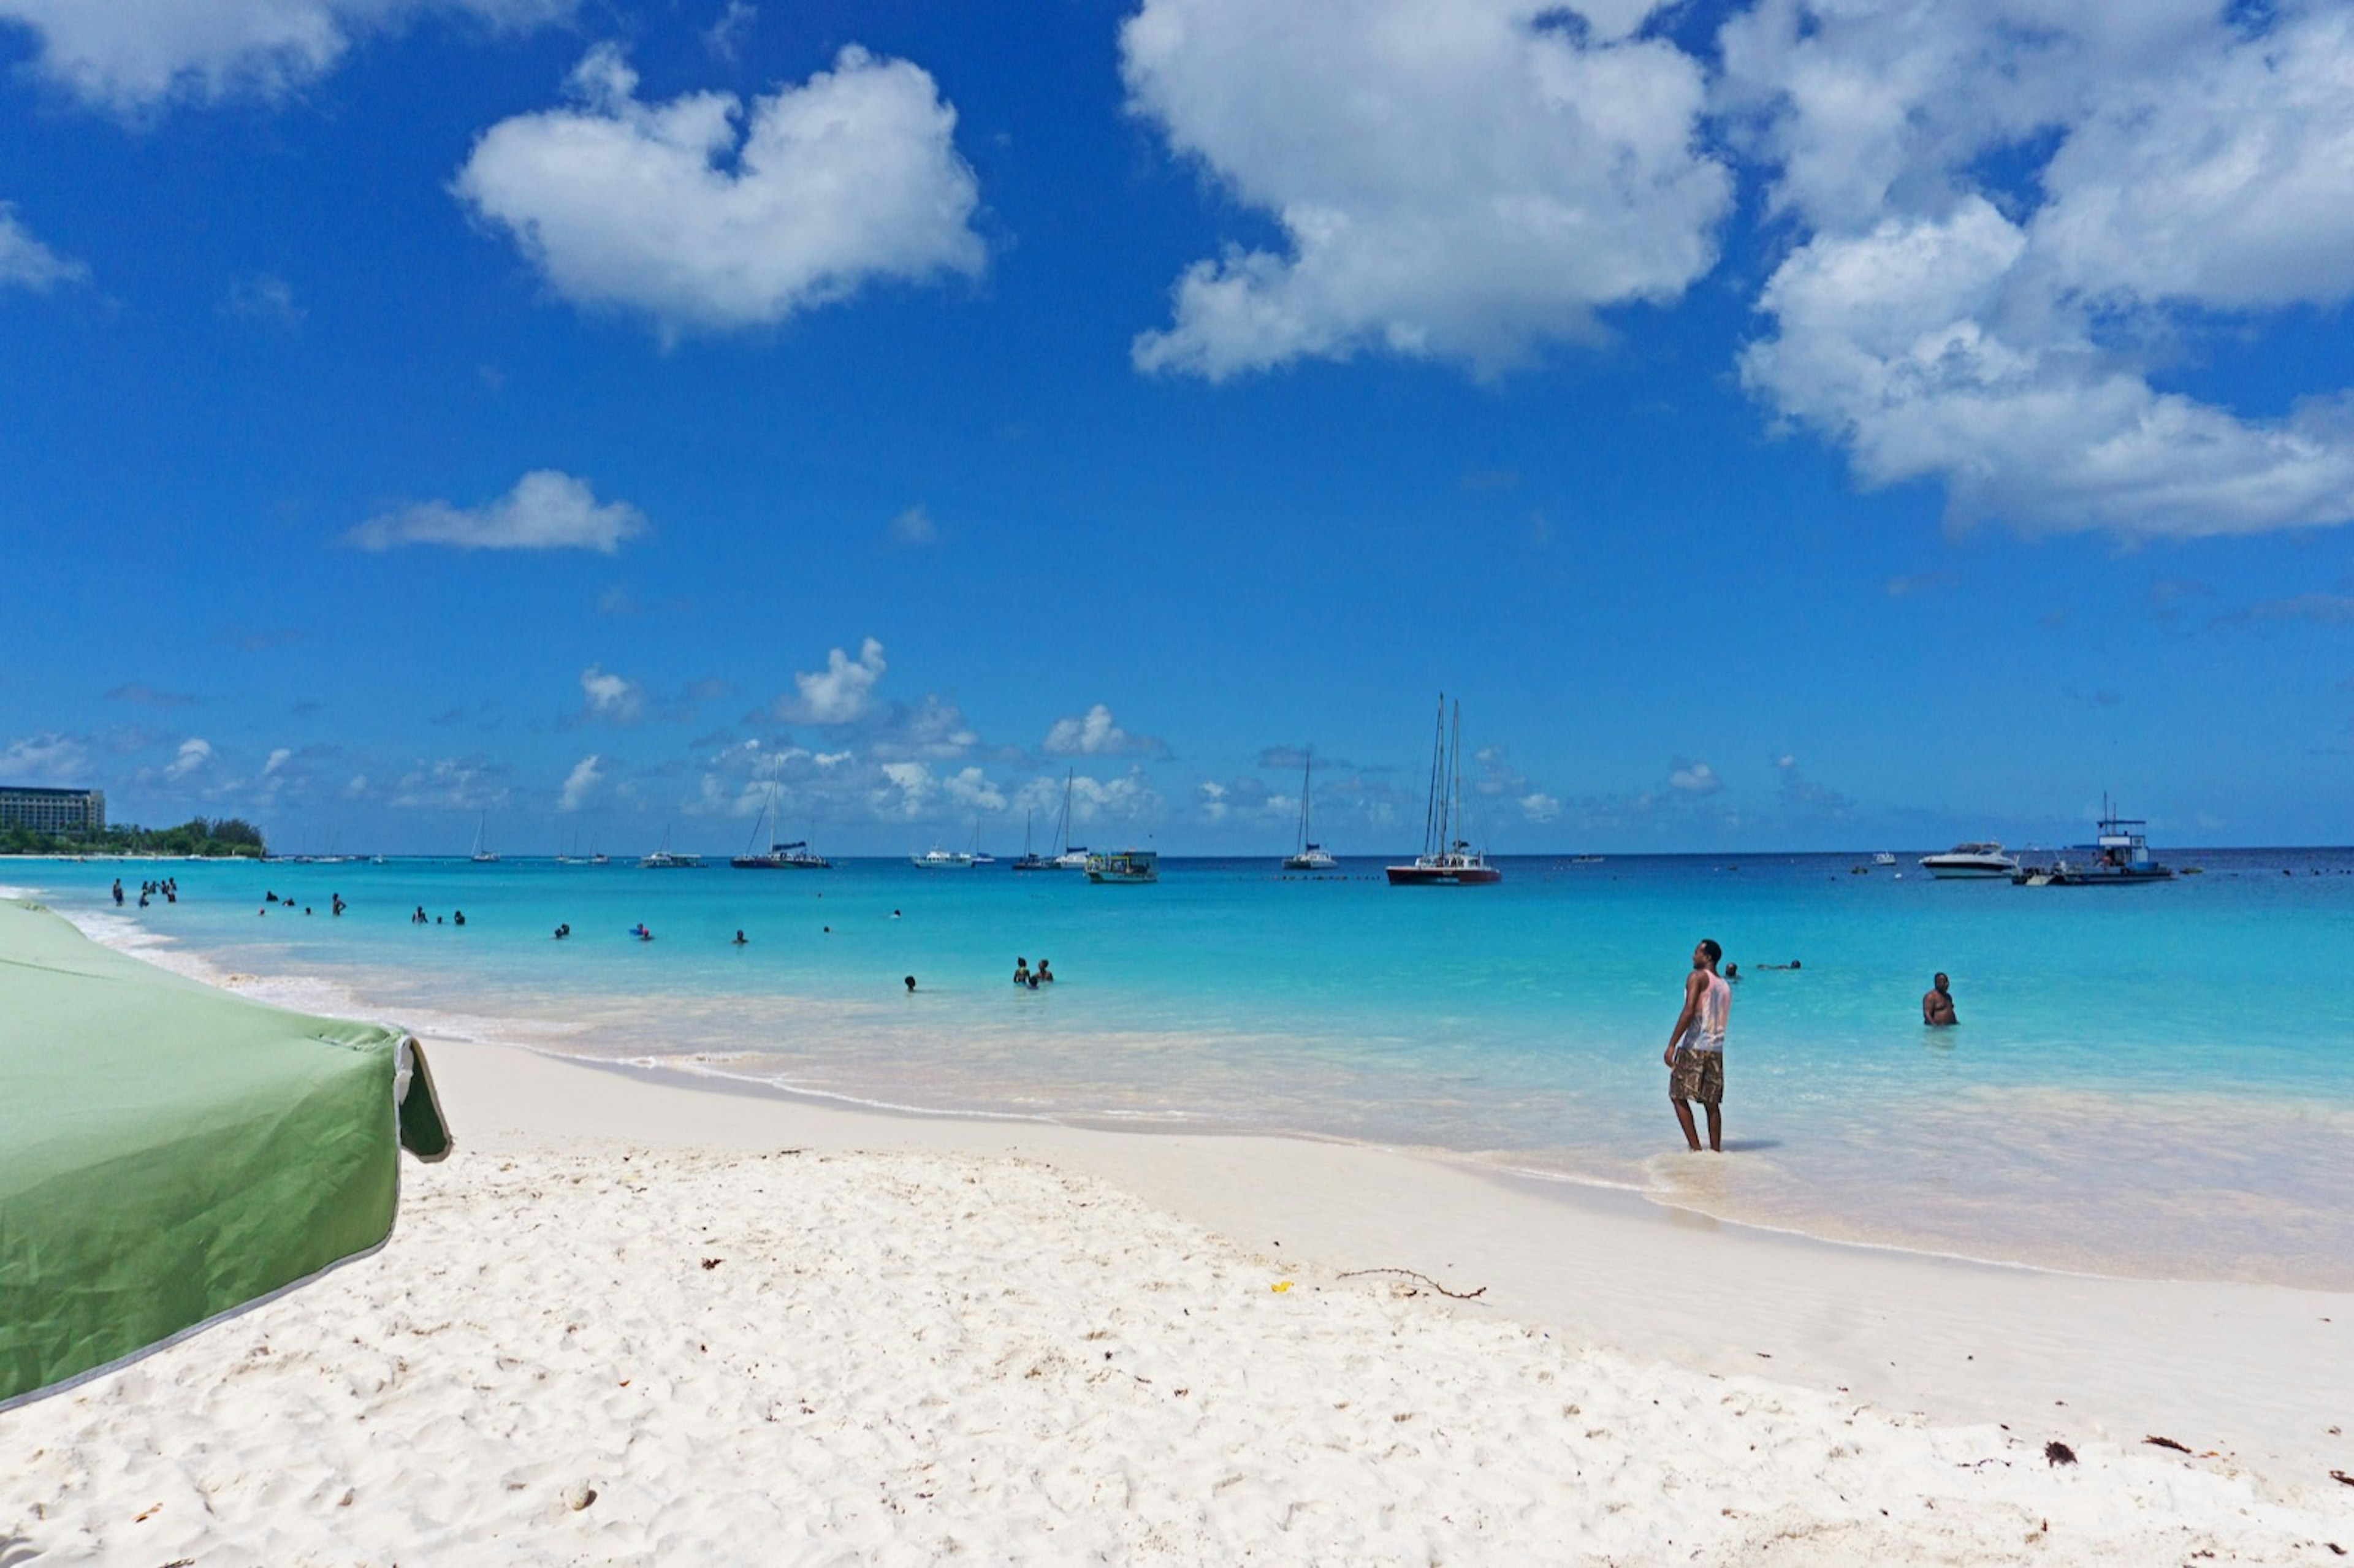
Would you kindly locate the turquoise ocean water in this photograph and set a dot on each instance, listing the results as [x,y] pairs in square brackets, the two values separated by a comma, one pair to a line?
[2155,1080]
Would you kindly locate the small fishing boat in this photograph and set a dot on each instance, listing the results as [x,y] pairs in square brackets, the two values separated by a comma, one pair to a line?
[1124,866]
[1972,859]
[1310,855]
[1885,857]
[1447,859]
[2119,857]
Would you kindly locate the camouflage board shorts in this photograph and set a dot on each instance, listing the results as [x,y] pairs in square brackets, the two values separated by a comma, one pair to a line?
[1697,1075]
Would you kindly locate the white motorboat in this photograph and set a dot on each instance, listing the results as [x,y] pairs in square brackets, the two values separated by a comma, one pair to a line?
[937,859]
[1970,859]
[1883,858]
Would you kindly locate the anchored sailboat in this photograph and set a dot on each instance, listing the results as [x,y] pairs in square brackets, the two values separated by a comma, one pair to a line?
[1067,856]
[794,856]
[1310,855]
[1447,859]
[482,856]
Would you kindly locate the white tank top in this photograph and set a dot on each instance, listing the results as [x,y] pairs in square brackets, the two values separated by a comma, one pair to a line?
[1707,1030]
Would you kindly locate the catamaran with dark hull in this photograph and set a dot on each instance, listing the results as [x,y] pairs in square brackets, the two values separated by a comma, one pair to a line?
[1447,859]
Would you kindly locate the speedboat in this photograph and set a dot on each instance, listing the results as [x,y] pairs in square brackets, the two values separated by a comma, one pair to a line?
[1969,861]
[1883,858]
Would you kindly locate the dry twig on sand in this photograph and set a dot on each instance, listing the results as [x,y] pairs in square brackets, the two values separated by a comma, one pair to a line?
[1410,1273]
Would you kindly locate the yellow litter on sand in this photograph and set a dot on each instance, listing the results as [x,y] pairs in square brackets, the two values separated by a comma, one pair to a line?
[1280,1285]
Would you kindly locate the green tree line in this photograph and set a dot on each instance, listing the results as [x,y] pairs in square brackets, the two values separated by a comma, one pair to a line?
[220,836]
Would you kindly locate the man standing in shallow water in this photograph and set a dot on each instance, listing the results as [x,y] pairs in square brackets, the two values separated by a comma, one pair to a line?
[1695,1054]
[1938,1005]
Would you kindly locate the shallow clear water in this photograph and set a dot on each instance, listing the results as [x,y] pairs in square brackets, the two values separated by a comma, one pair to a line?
[2153,1080]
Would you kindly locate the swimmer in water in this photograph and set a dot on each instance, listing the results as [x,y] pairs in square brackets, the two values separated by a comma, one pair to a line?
[739,940]
[911,985]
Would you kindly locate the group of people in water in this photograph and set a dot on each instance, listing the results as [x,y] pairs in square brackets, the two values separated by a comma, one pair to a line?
[1025,976]
[457,916]
[337,908]
[168,890]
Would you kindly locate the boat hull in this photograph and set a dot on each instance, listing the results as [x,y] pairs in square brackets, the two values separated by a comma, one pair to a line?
[1310,863]
[1968,873]
[2096,878]
[1441,876]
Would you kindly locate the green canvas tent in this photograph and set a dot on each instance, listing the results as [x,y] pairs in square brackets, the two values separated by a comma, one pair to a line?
[171,1153]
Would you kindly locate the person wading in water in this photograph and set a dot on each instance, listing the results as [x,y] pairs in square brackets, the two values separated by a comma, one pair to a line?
[1695,1054]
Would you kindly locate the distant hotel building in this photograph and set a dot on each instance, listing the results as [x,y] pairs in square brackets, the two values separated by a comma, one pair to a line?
[53,810]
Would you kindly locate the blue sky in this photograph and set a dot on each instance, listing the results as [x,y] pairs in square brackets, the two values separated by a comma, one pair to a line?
[1780,426]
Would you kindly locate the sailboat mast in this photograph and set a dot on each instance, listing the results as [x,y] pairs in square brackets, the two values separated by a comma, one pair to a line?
[1307,772]
[1432,813]
[1455,783]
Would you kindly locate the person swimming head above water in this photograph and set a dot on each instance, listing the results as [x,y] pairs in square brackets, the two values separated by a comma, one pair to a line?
[739,940]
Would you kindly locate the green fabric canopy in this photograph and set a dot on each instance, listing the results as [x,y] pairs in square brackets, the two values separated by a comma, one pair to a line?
[170,1153]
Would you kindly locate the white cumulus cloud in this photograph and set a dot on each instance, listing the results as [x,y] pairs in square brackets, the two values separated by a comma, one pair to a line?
[1911,347]
[704,213]
[1693,778]
[546,510]
[611,696]
[581,783]
[189,759]
[127,54]
[1458,179]
[2181,163]
[839,692]
[26,263]
[1094,733]
[1540,806]
[46,760]
[910,791]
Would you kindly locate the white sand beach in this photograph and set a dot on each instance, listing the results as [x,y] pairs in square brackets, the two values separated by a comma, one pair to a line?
[630,1321]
